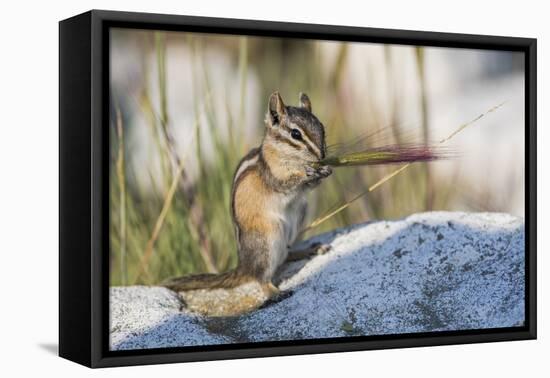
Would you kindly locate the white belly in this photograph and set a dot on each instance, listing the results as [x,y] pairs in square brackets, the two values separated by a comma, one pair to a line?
[294,217]
[290,218]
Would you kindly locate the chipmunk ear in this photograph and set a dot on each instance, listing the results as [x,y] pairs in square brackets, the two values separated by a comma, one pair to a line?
[305,102]
[276,109]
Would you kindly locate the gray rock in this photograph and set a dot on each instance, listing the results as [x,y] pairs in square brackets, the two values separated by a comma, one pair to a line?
[434,271]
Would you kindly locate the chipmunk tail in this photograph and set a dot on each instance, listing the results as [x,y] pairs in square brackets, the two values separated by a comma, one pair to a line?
[225,280]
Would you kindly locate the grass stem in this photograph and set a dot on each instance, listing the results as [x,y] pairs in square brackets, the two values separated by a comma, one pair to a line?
[122,192]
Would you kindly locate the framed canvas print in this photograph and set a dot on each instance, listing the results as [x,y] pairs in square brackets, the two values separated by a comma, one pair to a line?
[234,188]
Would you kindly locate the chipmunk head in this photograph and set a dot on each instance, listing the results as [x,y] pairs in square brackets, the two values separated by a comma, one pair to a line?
[296,132]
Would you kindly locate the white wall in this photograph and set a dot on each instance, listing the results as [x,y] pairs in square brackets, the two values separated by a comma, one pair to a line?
[28,196]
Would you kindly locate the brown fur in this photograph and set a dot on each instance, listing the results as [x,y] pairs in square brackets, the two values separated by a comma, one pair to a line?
[228,279]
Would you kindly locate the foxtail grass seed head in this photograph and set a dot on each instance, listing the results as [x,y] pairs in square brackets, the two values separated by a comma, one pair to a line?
[392,154]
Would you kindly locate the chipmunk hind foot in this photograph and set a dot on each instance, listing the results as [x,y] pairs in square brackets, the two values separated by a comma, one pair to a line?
[314,249]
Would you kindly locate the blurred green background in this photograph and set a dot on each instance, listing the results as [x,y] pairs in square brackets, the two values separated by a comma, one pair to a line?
[186,107]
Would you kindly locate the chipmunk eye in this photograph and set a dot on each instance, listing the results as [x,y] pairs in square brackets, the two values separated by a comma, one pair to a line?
[296,134]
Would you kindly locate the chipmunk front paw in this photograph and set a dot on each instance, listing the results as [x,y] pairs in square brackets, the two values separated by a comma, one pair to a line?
[315,175]
[311,172]
[324,171]
[319,172]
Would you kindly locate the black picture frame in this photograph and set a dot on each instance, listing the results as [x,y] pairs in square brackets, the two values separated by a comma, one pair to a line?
[83,196]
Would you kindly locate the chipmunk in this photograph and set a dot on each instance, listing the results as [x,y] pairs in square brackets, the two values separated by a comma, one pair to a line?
[268,203]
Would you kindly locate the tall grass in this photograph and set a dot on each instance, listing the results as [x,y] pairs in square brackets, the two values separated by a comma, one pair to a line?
[182,224]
